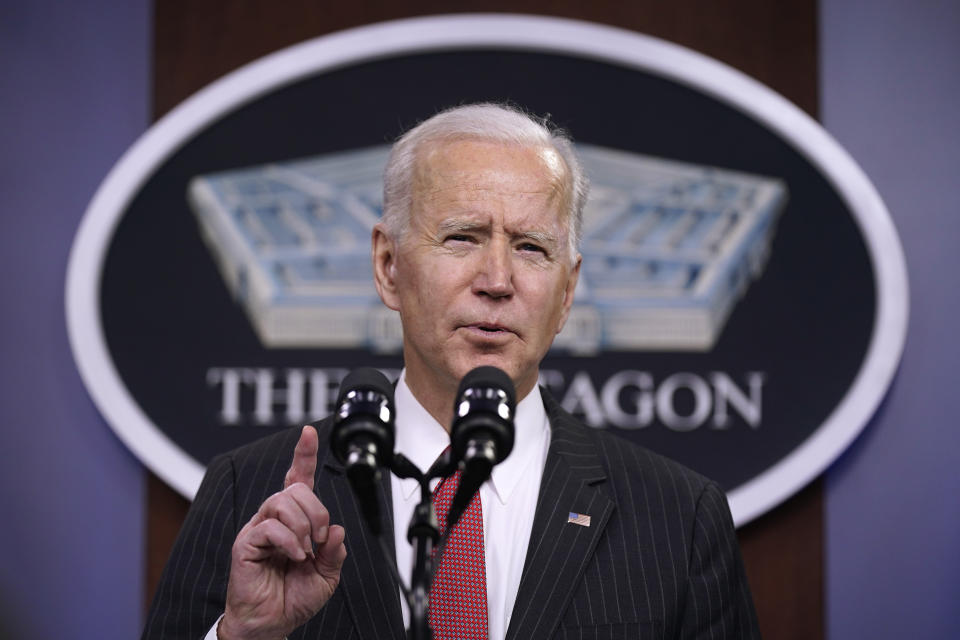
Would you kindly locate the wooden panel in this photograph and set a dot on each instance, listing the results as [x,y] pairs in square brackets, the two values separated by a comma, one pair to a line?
[775,42]
[197,42]
[166,510]
[783,553]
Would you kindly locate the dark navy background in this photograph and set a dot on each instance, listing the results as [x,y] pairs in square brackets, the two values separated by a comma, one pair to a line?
[806,323]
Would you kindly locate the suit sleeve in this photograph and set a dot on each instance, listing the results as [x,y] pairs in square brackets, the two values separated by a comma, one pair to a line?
[193,588]
[718,602]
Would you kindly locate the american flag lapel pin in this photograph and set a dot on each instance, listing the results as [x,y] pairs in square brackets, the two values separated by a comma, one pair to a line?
[581,519]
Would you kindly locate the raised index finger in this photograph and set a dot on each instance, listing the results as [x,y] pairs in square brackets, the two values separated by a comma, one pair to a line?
[304,464]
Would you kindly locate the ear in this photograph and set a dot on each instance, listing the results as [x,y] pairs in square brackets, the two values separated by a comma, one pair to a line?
[384,251]
[568,290]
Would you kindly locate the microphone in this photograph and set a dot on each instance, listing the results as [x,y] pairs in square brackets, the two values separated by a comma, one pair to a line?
[363,434]
[482,432]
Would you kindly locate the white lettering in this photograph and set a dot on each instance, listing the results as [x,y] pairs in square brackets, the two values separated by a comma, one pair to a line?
[262,381]
[628,399]
[230,398]
[641,399]
[725,391]
[323,386]
[701,402]
[582,396]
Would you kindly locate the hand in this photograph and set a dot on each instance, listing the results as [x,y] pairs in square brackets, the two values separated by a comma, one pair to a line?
[277,582]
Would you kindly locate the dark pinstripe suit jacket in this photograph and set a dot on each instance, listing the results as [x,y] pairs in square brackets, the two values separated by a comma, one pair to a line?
[659,559]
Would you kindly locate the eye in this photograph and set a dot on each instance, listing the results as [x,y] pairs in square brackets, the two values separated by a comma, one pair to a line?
[529,247]
[458,237]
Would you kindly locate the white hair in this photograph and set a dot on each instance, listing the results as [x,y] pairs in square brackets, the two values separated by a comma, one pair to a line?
[486,122]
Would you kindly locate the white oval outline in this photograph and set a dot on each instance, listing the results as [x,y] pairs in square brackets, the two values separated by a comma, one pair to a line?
[494,31]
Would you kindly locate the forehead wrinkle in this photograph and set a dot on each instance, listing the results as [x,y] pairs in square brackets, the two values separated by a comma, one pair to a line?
[462,198]
[434,189]
[437,184]
[431,178]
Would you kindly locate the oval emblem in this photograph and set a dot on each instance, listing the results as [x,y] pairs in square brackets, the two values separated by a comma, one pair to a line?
[743,301]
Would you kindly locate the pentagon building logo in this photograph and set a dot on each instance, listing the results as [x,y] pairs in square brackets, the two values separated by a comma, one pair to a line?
[668,250]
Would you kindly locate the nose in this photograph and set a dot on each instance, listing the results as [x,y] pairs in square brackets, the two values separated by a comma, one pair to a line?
[494,275]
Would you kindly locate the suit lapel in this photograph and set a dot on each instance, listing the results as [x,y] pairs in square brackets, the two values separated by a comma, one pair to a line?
[573,481]
[371,592]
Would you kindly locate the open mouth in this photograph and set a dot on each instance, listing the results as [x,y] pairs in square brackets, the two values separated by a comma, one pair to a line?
[490,329]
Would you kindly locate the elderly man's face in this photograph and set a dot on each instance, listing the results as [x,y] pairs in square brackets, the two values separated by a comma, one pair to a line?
[483,276]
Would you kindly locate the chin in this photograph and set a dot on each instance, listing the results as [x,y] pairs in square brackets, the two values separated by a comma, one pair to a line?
[488,361]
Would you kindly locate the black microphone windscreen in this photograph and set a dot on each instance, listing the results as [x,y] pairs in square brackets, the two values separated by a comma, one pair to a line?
[365,379]
[487,376]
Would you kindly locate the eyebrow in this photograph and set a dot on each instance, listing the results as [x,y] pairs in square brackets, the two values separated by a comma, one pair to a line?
[463,226]
[455,224]
[539,237]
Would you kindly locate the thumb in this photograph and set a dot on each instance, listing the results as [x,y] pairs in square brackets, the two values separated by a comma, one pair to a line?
[331,554]
[304,464]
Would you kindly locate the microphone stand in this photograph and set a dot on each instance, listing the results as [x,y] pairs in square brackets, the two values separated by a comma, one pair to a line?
[483,416]
[423,533]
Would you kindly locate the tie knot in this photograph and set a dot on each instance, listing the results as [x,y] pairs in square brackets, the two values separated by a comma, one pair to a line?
[443,496]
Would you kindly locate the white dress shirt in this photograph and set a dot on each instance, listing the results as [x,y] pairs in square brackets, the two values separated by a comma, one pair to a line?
[508,499]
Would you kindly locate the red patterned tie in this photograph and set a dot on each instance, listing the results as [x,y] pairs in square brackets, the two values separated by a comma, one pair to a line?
[458,595]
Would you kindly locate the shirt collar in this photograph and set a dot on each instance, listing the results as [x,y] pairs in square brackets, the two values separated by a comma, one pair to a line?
[422,439]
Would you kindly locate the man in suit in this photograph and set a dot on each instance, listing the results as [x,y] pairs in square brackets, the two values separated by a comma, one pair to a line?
[584,535]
